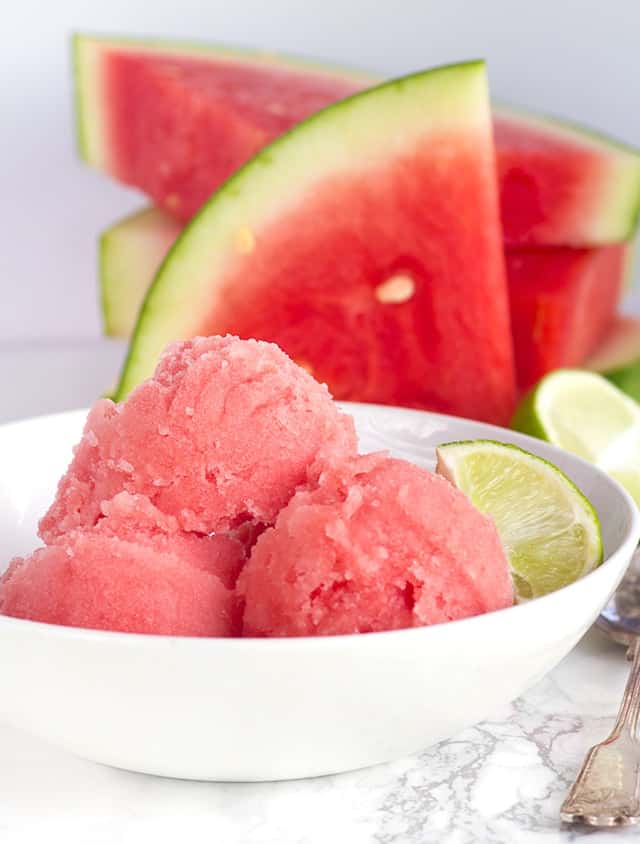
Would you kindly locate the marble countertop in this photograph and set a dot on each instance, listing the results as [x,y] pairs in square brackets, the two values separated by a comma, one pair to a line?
[501,782]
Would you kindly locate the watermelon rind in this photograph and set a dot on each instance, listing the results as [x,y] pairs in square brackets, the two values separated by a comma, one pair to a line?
[619,348]
[88,51]
[618,210]
[129,253]
[372,125]
[612,219]
[132,249]
[618,357]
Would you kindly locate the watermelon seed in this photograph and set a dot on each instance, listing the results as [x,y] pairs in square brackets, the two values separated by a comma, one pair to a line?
[244,240]
[395,290]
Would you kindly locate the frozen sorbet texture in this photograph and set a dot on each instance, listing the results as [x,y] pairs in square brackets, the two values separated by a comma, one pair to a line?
[225,497]
[378,544]
[223,433]
[174,585]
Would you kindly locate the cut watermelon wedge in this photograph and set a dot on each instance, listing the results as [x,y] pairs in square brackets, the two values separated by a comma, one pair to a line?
[563,302]
[176,120]
[561,299]
[366,243]
[619,348]
[130,253]
[563,185]
[618,356]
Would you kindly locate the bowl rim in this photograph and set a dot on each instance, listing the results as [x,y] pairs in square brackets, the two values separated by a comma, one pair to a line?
[627,545]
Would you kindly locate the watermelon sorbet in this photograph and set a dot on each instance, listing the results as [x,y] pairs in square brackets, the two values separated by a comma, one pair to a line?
[378,544]
[180,586]
[225,497]
[223,433]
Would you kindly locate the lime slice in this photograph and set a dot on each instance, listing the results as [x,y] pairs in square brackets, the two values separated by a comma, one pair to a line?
[550,531]
[586,414]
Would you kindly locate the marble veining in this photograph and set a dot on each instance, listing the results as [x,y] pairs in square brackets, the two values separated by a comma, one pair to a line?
[501,782]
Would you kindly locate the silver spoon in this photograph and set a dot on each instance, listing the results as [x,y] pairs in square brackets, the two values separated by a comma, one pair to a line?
[607,789]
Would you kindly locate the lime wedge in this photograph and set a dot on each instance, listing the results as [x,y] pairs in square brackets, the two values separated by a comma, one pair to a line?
[586,414]
[550,531]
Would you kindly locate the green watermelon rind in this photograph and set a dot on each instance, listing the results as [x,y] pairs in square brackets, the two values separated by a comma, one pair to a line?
[620,349]
[107,289]
[129,254]
[575,131]
[86,49]
[618,218]
[618,359]
[456,95]
[110,281]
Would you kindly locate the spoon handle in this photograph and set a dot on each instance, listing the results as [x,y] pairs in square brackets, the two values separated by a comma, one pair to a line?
[607,789]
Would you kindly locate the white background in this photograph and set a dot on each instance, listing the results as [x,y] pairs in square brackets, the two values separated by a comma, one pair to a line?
[577,58]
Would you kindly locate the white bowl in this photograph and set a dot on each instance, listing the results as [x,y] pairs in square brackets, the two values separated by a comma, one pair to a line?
[256,709]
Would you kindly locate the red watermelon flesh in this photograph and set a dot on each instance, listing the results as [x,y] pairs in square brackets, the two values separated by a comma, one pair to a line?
[179,125]
[619,349]
[560,298]
[551,186]
[366,243]
[377,319]
[176,121]
[563,302]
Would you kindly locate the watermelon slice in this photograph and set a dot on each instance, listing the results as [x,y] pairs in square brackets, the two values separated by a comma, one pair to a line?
[130,252]
[176,120]
[366,243]
[563,302]
[561,299]
[562,184]
[619,348]
[618,356]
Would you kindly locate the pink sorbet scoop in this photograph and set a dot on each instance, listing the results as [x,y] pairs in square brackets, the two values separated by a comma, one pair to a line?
[172,584]
[223,433]
[378,544]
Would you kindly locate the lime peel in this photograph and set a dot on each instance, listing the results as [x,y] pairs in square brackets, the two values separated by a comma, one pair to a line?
[586,414]
[550,531]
